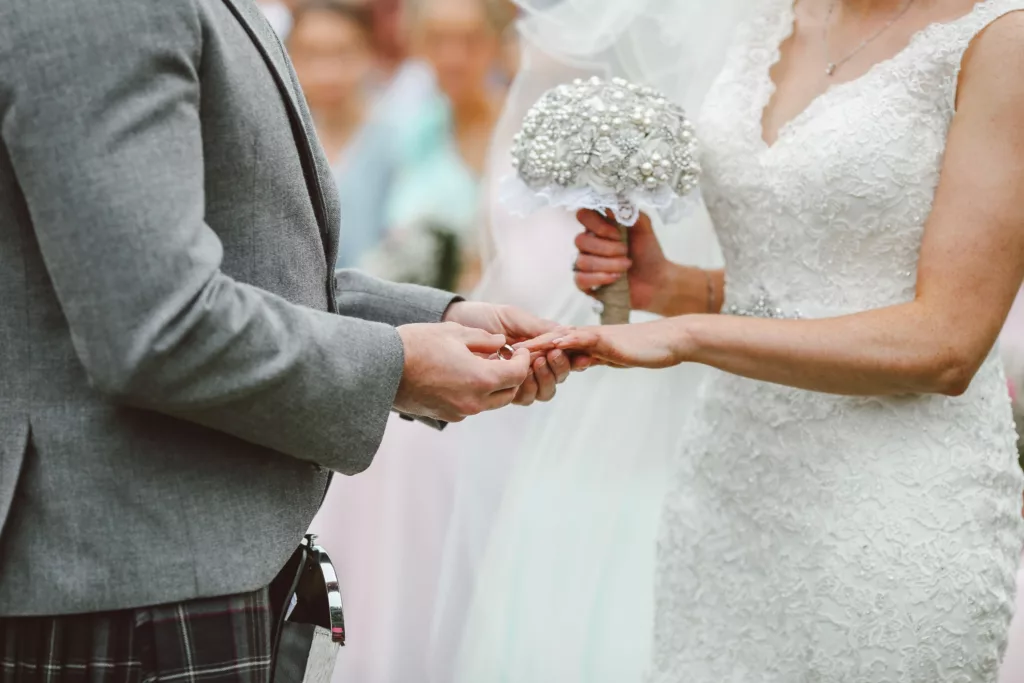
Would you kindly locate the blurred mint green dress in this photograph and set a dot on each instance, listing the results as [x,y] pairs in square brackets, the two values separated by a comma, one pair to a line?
[432,184]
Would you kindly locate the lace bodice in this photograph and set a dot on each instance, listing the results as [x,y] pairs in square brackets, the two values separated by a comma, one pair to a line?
[829,218]
[813,538]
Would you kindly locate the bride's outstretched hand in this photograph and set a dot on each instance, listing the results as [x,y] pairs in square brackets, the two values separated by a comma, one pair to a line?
[645,345]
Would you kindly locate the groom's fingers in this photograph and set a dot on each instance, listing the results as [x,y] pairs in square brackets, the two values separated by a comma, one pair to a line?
[479,341]
[546,383]
[527,393]
[560,365]
[581,363]
[523,325]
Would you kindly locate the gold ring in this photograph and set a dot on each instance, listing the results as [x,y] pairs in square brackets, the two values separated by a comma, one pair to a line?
[506,352]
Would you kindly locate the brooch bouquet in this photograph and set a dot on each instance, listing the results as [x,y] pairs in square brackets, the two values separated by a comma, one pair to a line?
[607,145]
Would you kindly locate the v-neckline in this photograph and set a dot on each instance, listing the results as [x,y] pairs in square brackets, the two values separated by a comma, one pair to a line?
[788,27]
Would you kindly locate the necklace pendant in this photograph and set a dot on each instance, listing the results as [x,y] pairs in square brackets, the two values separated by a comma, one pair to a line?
[830,69]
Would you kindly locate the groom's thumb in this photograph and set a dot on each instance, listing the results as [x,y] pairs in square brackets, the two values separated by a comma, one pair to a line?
[481,341]
[514,371]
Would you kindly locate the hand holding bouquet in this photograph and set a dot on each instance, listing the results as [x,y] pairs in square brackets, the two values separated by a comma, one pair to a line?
[611,146]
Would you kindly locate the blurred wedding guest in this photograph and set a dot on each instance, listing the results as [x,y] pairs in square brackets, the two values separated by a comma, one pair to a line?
[279,14]
[401,82]
[508,62]
[432,209]
[390,38]
[387,530]
[331,46]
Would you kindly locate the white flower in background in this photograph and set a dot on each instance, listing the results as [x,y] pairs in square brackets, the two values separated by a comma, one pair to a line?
[425,253]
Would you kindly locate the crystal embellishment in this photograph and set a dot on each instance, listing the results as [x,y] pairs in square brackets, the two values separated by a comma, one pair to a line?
[763,307]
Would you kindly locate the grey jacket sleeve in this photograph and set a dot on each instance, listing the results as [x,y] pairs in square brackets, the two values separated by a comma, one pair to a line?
[363,296]
[105,139]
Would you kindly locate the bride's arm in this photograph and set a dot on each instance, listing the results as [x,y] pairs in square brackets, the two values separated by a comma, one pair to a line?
[688,290]
[971,265]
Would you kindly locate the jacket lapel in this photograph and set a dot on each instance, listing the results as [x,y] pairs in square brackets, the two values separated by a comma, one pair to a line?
[314,165]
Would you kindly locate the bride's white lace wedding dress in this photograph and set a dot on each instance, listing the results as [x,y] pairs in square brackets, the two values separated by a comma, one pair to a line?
[812,537]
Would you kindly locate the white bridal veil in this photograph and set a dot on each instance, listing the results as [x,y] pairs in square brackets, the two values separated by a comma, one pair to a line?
[548,573]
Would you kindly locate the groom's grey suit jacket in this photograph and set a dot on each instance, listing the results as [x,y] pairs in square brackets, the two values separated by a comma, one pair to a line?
[179,367]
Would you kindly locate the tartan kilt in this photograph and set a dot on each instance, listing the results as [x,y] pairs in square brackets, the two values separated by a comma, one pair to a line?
[219,640]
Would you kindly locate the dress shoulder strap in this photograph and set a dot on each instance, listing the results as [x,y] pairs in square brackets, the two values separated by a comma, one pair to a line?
[947,43]
[983,14]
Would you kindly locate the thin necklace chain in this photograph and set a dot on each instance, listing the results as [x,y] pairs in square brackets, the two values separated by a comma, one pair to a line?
[830,66]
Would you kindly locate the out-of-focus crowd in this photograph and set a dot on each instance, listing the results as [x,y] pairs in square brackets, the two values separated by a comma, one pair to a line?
[405,95]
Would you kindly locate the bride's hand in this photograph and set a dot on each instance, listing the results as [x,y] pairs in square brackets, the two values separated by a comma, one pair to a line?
[647,345]
[604,259]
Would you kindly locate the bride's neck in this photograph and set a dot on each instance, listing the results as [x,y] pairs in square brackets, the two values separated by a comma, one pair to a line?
[868,7]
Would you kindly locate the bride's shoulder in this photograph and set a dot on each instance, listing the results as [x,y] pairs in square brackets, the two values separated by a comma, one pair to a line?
[1004,30]
[994,59]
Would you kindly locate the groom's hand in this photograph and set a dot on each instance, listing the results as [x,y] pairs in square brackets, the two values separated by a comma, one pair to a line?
[548,370]
[449,376]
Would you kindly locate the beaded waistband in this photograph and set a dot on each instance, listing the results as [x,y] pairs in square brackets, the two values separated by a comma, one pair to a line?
[761,306]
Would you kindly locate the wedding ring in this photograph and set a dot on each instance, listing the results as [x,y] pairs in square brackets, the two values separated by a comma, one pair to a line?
[506,352]
[575,265]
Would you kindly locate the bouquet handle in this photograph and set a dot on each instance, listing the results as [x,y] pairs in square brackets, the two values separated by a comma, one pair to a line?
[615,297]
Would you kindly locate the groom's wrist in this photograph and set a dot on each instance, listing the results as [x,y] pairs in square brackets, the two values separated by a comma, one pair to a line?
[451,312]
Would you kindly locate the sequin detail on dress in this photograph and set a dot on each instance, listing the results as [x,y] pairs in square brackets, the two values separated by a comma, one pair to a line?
[762,307]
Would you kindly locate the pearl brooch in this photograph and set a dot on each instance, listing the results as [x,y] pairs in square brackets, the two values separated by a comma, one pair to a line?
[621,141]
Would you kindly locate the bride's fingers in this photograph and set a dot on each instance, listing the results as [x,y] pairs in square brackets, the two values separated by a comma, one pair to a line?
[586,263]
[597,224]
[579,340]
[589,282]
[543,343]
[589,243]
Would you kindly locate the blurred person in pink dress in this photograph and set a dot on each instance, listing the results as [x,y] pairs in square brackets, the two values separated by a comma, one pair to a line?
[386,529]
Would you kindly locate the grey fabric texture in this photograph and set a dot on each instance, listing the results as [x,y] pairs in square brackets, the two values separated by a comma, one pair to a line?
[179,366]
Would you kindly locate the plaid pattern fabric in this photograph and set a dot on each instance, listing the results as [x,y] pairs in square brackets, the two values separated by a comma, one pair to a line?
[221,640]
